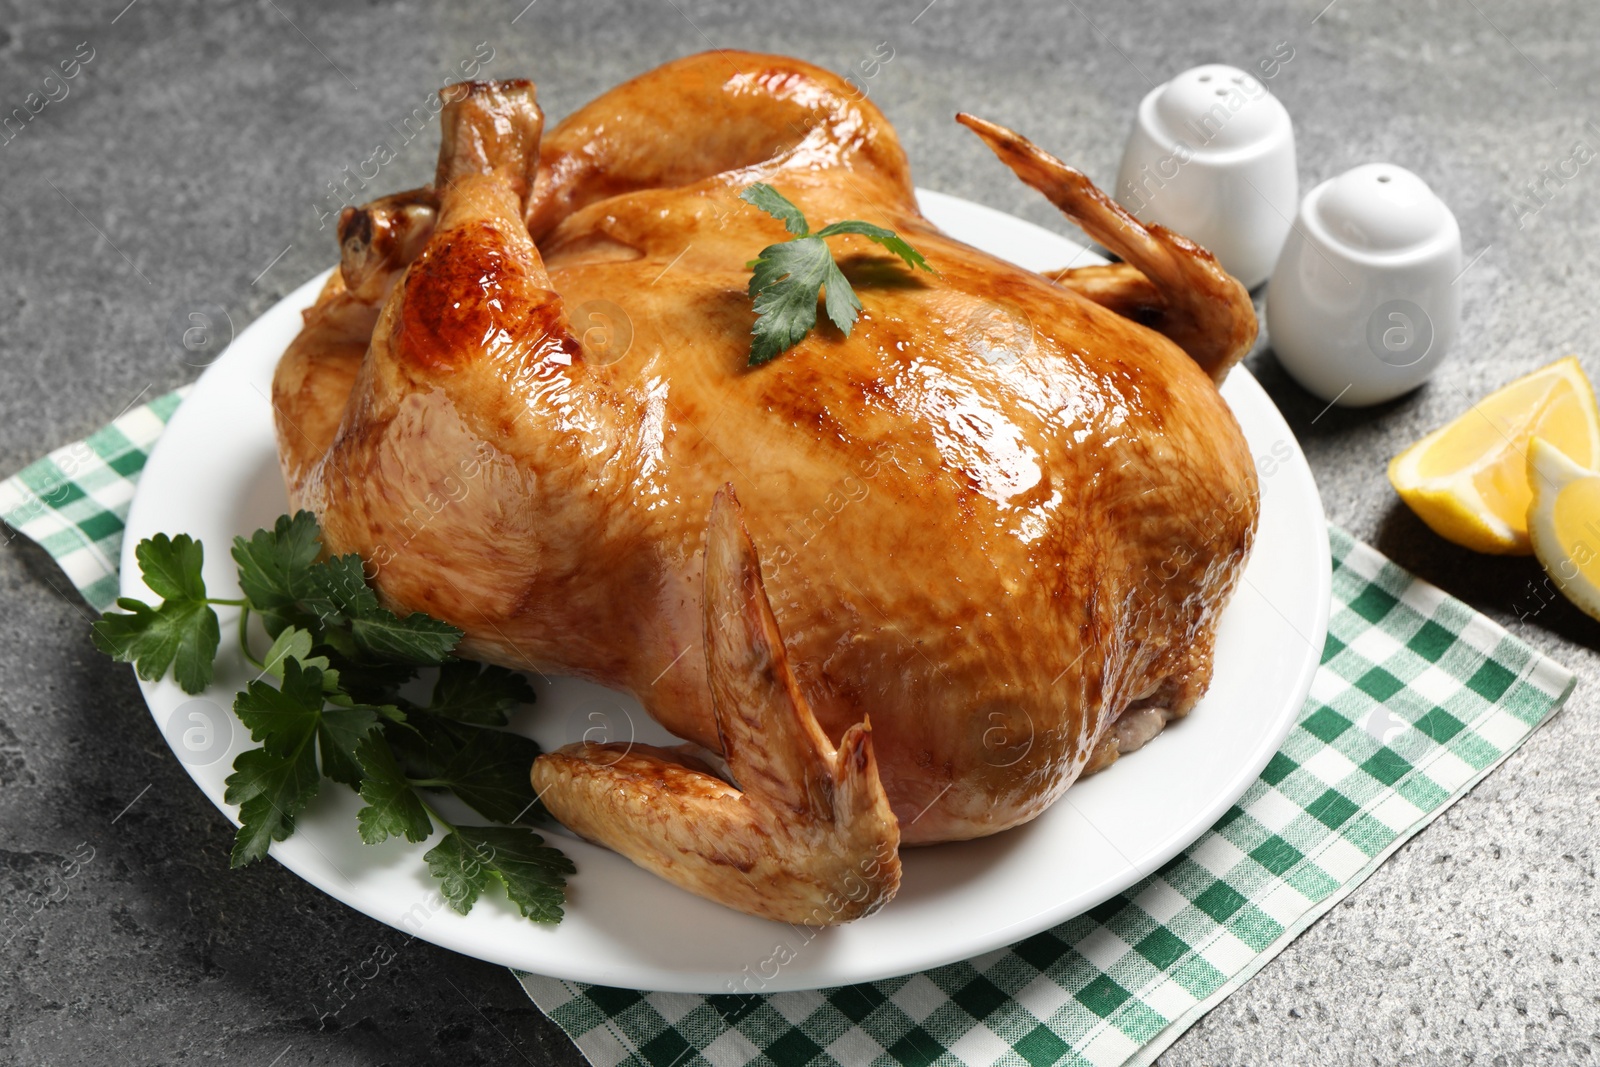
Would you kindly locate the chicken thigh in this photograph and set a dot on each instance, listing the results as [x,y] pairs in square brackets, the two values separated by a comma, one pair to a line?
[900,587]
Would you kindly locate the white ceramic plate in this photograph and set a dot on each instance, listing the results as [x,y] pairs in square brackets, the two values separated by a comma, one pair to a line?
[214,474]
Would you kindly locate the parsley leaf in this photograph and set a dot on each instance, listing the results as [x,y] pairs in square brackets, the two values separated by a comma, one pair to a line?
[340,732]
[282,717]
[393,807]
[338,588]
[182,633]
[293,643]
[285,718]
[271,790]
[274,565]
[784,287]
[171,566]
[788,277]
[427,745]
[778,206]
[478,693]
[343,597]
[371,683]
[416,639]
[532,872]
[877,234]
[491,774]
[488,770]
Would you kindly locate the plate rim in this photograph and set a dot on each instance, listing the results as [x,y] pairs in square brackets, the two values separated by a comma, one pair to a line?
[464,939]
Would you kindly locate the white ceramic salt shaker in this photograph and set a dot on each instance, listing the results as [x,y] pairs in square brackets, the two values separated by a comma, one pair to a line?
[1211,157]
[1363,302]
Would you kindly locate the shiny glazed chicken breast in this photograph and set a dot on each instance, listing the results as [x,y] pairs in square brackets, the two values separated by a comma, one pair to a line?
[900,587]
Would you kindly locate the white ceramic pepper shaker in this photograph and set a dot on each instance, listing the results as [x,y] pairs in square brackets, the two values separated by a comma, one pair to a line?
[1211,157]
[1363,303]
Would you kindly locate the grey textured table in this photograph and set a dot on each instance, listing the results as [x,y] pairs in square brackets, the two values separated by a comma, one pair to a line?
[187,166]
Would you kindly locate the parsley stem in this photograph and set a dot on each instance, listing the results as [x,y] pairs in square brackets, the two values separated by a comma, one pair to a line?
[428,783]
[449,826]
[240,603]
[244,636]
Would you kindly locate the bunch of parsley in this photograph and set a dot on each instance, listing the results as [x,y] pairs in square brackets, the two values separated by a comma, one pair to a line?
[327,704]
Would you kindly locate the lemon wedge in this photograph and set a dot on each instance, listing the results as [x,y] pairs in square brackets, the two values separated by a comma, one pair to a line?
[1564,523]
[1468,479]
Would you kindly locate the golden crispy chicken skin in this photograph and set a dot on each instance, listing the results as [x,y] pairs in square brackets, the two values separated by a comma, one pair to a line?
[905,586]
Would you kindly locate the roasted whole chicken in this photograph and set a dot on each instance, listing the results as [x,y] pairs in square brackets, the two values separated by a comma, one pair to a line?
[900,587]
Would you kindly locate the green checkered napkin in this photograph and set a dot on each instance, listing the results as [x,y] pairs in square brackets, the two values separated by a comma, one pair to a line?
[1418,698]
